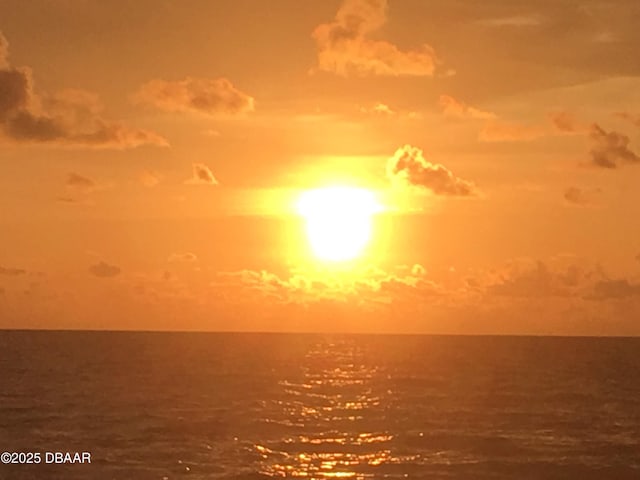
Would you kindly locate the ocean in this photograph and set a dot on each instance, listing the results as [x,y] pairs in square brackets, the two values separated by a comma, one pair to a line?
[252,406]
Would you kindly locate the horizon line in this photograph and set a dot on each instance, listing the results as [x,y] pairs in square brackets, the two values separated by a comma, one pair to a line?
[266,332]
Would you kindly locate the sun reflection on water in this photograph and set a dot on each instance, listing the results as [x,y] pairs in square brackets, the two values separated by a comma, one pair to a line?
[327,411]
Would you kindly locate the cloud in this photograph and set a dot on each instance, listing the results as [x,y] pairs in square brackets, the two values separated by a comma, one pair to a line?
[378,109]
[613,289]
[629,117]
[496,131]
[183,257]
[537,279]
[67,199]
[514,21]
[579,196]
[409,167]
[11,271]
[382,110]
[211,132]
[4,51]
[345,49]
[202,175]
[610,149]
[564,122]
[78,188]
[69,118]
[367,287]
[104,270]
[456,108]
[75,180]
[149,178]
[199,95]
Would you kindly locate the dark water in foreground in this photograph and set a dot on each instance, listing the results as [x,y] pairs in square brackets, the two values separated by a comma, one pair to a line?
[249,406]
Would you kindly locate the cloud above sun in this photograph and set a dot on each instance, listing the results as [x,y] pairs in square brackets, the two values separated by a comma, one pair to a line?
[4,51]
[345,47]
[610,149]
[104,270]
[202,175]
[12,271]
[408,167]
[68,118]
[580,196]
[196,95]
[457,108]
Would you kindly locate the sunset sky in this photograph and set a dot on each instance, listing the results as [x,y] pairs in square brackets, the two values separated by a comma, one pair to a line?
[153,155]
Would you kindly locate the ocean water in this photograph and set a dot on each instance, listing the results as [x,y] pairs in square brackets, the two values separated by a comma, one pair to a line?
[250,406]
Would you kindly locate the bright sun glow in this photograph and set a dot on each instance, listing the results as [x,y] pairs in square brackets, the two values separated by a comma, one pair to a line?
[338,221]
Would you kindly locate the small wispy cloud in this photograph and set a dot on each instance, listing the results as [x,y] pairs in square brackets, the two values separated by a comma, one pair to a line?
[182,257]
[527,20]
[202,175]
[104,270]
[581,197]
[457,108]
[197,95]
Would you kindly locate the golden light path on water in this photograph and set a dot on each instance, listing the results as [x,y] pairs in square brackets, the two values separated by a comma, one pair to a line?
[321,410]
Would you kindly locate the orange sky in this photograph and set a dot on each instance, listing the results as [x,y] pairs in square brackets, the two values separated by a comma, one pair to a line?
[151,154]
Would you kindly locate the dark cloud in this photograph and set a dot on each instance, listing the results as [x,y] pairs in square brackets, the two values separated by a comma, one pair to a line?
[580,196]
[538,280]
[610,149]
[4,51]
[344,47]
[183,257]
[409,167]
[565,122]
[515,21]
[68,118]
[629,117]
[104,270]
[78,189]
[457,108]
[200,95]
[78,181]
[15,87]
[613,289]
[12,271]
[202,175]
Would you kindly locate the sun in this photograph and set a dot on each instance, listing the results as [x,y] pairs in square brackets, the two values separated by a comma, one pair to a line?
[338,221]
